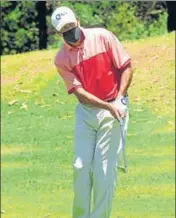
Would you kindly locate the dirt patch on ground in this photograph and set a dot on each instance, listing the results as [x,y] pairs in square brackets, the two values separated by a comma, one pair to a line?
[27,66]
[6,80]
[147,55]
[8,150]
[15,165]
[5,150]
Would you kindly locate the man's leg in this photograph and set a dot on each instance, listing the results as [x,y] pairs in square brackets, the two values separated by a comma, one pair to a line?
[85,137]
[104,167]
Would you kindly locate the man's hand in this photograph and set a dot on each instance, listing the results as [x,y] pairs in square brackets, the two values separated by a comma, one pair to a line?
[114,111]
[87,98]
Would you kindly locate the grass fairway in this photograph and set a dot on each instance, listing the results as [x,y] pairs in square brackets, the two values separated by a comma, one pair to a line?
[37,136]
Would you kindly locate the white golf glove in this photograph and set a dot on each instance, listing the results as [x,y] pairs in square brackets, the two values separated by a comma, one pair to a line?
[121,104]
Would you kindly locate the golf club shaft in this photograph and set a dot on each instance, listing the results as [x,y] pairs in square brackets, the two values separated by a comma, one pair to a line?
[123,143]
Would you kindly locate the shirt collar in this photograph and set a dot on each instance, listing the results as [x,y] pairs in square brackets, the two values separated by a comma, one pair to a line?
[69,47]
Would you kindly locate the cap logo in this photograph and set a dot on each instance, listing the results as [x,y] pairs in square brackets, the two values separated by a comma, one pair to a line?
[58,16]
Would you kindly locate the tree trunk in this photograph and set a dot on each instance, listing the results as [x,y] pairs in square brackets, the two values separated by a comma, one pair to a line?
[42,25]
[171,22]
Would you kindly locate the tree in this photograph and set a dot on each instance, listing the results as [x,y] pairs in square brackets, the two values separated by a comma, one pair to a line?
[171,24]
[41,23]
[19,31]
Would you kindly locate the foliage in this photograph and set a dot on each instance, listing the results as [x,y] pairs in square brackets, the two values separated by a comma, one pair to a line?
[130,27]
[149,10]
[124,26]
[158,27]
[19,32]
[128,20]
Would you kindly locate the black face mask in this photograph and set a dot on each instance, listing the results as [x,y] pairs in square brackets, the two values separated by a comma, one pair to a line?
[72,35]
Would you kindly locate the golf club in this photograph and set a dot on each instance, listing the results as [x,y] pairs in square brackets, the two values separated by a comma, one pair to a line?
[125,168]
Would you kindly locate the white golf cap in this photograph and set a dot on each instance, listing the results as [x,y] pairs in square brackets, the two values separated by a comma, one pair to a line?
[63,16]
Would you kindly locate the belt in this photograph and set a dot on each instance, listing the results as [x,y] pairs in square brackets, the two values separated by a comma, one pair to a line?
[111,100]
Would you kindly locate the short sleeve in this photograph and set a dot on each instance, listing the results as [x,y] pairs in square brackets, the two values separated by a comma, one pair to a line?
[70,79]
[118,54]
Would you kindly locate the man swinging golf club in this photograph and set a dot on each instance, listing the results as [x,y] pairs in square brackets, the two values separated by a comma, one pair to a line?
[97,69]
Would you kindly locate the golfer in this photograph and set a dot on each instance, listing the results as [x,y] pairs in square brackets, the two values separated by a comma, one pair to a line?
[97,70]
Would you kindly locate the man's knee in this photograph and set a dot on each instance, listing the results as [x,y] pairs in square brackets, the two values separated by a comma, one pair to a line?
[78,163]
[81,165]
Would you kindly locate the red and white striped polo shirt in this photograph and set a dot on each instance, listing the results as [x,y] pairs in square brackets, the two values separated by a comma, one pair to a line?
[96,65]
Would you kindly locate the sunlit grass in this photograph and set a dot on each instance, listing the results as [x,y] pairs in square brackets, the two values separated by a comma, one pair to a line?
[38,144]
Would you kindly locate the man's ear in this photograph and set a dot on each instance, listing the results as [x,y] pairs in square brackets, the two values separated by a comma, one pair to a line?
[78,20]
[58,34]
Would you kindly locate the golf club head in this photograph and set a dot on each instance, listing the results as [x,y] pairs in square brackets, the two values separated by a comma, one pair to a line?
[123,169]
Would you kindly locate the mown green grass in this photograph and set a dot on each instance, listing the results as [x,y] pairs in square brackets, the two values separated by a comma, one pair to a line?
[38,144]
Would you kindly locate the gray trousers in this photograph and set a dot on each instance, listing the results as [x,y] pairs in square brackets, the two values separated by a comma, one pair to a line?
[97,152]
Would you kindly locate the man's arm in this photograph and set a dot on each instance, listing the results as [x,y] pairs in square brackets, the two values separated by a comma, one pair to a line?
[89,99]
[74,86]
[121,61]
[126,78]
